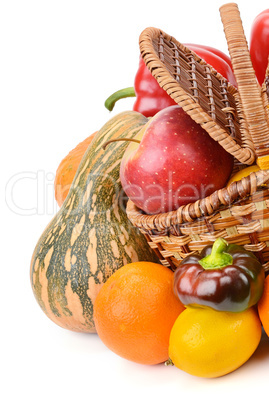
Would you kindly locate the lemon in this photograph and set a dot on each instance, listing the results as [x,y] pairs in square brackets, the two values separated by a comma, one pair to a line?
[208,343]
[243,173]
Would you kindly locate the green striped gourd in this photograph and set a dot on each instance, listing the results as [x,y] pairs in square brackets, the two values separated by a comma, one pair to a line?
[90,237]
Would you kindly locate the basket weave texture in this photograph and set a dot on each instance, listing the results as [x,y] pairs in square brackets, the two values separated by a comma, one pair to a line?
[237,118]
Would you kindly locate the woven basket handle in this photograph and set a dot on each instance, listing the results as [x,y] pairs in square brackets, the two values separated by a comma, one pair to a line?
[201,91]
[249,90]
[236,118]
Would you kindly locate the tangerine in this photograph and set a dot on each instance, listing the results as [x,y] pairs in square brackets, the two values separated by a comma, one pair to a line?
[135,310]
[263,306]
[209,343]
[67,169]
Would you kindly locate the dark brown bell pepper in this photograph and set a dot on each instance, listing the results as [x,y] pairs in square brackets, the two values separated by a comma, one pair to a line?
[224,276]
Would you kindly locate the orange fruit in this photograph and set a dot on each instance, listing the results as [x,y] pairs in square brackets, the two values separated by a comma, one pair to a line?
[209,343]
[135,310]
[263,306]
[67,169]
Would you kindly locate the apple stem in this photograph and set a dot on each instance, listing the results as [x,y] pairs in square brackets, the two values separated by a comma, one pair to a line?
[120,139]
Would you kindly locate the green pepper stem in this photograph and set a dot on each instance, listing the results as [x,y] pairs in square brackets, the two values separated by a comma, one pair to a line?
[122,93]
[218,258]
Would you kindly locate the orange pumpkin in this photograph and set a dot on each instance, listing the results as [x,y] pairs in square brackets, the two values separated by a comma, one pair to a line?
[67,169]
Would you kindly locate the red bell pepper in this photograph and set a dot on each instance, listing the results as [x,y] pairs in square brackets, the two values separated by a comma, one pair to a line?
[151,98]
[199,48]
[259,44]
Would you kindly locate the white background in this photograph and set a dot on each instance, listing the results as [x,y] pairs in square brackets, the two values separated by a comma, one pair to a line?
[60,59]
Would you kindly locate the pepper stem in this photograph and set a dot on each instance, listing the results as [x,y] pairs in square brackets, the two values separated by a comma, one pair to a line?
[218,257]
[122,93]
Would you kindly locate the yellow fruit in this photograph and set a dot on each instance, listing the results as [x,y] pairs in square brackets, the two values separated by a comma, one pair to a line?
[243,173]
[208,343]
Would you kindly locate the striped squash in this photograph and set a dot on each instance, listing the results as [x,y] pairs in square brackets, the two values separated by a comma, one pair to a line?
[90,237]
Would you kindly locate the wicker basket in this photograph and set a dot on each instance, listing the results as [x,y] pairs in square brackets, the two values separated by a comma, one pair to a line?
[235,117]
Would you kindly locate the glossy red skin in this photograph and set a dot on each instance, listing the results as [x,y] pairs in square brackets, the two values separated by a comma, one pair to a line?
[217,52]
[151,98]
[235,287]
[176,163]
[259,44]
[218,62]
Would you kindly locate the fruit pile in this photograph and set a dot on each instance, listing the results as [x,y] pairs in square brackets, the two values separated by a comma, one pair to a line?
[93,271]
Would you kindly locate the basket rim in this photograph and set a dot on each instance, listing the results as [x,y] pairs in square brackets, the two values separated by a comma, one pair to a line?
[226,197]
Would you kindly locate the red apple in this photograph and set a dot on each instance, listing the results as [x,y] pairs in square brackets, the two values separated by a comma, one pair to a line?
[176,162]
